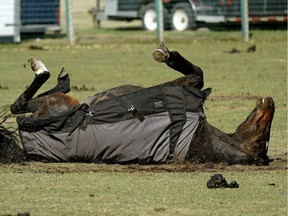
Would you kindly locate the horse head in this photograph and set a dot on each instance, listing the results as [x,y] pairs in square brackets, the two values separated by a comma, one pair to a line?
[254,132]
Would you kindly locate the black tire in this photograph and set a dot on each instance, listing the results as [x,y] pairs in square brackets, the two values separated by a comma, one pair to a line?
[182,17]
[149,19]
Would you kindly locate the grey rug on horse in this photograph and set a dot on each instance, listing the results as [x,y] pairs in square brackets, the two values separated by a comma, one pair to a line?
[151,125]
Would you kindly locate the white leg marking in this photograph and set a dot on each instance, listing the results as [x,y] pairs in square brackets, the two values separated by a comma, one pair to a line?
[267,145]
[40,67]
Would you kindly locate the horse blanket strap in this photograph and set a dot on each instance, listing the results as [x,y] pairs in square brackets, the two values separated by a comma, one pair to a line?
[176,107]
[129,108]
[62,123]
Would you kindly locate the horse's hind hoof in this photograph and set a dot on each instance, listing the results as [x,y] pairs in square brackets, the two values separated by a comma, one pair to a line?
[161,54]
[37,66]
[63,80]
[63,74]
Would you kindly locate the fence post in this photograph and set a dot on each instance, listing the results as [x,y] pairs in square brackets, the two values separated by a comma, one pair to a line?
[97,11]
[69,23]
[159,14]
[245,19]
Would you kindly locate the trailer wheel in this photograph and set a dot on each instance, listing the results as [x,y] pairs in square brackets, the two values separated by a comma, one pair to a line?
[182,17]
[149,17]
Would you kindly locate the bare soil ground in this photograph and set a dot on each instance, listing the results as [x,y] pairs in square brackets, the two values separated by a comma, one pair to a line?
[279,163]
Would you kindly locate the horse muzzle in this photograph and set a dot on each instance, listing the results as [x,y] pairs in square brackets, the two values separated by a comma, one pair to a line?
[265,103]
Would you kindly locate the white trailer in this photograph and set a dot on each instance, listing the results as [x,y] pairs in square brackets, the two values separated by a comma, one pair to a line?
[10,21]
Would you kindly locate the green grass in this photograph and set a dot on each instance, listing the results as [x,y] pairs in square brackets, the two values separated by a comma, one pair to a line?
[260,193]
[107,58]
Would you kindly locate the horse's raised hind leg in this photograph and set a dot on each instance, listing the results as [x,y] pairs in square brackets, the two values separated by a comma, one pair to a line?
[63,84]
[193,73]
[21,105]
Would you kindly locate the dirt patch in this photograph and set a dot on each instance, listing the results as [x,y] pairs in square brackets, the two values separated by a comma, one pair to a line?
[38,167]
[234,98]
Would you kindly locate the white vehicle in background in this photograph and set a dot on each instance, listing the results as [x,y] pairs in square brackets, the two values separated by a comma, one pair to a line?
[182,15]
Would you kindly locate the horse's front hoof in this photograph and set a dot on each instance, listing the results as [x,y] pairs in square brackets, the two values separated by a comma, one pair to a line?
[161,54]
[37,66]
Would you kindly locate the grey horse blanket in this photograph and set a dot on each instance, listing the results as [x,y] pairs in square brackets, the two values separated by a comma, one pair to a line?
[152,125]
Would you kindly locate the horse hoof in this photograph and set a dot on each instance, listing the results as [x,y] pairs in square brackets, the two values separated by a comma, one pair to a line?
[161,54]
[63,73]
[37,66]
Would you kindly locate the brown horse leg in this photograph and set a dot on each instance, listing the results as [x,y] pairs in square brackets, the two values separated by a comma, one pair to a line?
[21,105]
[173,59]
[63,84]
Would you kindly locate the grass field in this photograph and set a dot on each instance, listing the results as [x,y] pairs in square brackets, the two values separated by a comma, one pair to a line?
[105,58]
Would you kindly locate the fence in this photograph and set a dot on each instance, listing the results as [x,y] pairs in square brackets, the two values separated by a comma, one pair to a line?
[178,15]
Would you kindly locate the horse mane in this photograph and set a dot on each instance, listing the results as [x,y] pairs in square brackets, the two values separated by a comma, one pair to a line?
[10,151]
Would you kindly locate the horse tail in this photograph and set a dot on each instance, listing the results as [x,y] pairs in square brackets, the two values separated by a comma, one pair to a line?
[10,151]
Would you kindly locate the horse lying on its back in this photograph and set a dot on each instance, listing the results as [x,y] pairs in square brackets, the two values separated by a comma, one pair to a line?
[169,119]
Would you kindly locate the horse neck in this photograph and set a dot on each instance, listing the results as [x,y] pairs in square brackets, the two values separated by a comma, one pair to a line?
[215,135]
[213,145]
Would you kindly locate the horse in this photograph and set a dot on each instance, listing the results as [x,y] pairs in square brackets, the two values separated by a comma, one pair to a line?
[247,145]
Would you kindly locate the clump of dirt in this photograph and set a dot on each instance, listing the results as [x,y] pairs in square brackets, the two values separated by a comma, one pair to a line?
[82,88]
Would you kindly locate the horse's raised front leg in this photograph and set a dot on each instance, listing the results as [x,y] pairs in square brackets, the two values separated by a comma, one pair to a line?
[22,105]
[193,74]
